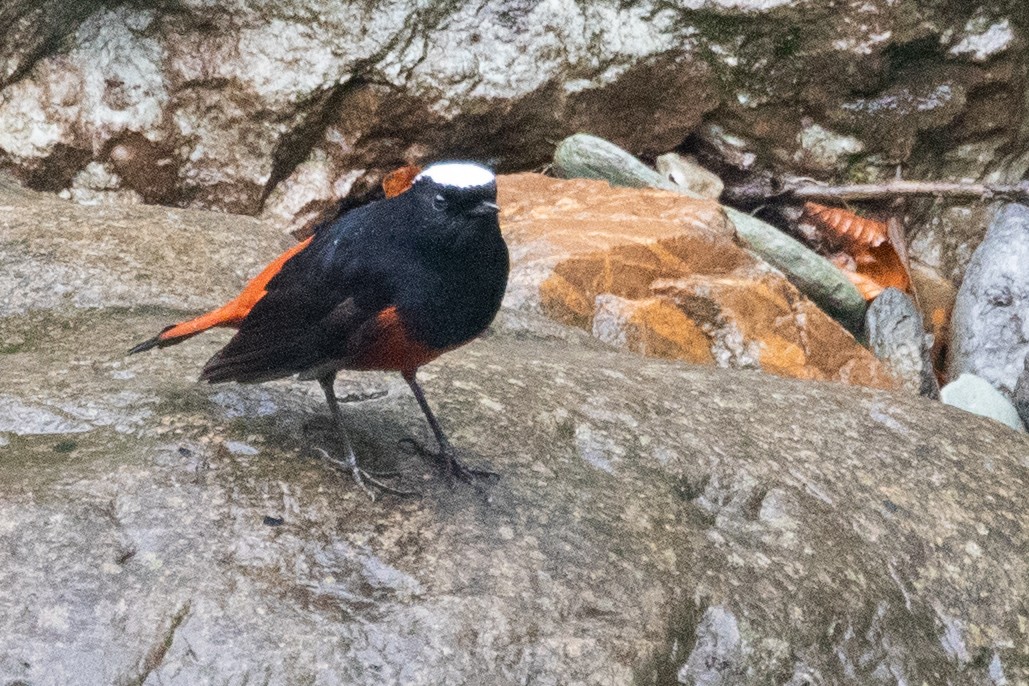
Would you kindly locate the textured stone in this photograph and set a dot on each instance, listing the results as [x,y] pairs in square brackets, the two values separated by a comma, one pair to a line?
[1022,394]
[238,97]
[51,256]
[235,98]
[990,324]
[975,394]
[661,274]
[896,334]
[654,521]
[946,239]
[686,173]
[588,157]
[34,29]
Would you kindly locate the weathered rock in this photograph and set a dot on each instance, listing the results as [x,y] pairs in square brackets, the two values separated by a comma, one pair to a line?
[1022,394]
[783,333]
[234,98]
[814,275]
[660,274]
[824,150]
[224,101]
[974,394]
[56,254]
[33,29]
[895,117]
[946,237]
[896,334]
[658,521]
[583,156]
[655,517]
[990,324]
[686,173]
[588,157]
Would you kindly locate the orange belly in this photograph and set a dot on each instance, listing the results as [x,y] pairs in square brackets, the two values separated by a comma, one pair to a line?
[391,347]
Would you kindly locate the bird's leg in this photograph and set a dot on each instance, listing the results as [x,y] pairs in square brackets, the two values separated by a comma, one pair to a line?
[361,475]
[447,456]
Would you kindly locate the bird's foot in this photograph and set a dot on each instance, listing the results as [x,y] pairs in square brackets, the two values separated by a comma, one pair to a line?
[446,459]
[366,478]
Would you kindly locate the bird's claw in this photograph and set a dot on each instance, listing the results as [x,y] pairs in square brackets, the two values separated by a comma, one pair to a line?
[365,478]
[452,468]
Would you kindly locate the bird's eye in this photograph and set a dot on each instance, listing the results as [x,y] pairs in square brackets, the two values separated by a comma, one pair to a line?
[439,202]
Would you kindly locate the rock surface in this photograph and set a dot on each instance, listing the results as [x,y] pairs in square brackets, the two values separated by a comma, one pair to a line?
[896,334]
[583,156]
[974,394]
[285,107]
[658,523]
[56,254]
[715,302]
[662,275]
[34,29]
[219,104]
[1022,394]
[990,323]
[688,175]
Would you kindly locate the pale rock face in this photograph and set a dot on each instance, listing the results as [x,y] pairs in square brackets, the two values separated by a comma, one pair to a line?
[990,322]
[821,149]
[110,82]
[238,98]
[982,39]
[656,521]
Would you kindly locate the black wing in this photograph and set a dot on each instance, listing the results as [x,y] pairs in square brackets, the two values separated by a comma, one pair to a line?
[319,301]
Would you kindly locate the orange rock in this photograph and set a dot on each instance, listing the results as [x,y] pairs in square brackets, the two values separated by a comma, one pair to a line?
[652,326]
[662,274]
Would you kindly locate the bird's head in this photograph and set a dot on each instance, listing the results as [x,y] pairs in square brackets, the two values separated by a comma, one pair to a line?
[458,199]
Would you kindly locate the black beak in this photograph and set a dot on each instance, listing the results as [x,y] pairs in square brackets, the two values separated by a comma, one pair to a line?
[484,208]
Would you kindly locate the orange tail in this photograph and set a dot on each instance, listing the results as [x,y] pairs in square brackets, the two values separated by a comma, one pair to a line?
[230,314]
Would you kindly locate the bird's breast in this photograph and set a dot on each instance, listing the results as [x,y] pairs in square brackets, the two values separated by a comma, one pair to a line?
[458,299]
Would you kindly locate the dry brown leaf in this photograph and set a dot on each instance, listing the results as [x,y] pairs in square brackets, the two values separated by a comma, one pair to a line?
[850,229]
[876,249]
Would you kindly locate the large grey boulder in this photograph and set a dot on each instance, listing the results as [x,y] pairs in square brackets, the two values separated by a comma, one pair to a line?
[651,517]
[990,323]
[655,523]
[285,107]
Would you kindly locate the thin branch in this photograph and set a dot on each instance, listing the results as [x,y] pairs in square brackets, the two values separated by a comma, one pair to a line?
[804,190]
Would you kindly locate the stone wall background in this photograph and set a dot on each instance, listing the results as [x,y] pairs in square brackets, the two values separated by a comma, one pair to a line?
[284,108]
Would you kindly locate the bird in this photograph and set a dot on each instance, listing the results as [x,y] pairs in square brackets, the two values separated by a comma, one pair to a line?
[390,285]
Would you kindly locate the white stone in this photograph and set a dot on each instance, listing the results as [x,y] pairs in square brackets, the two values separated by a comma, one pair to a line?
[973,394]
[983,40]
